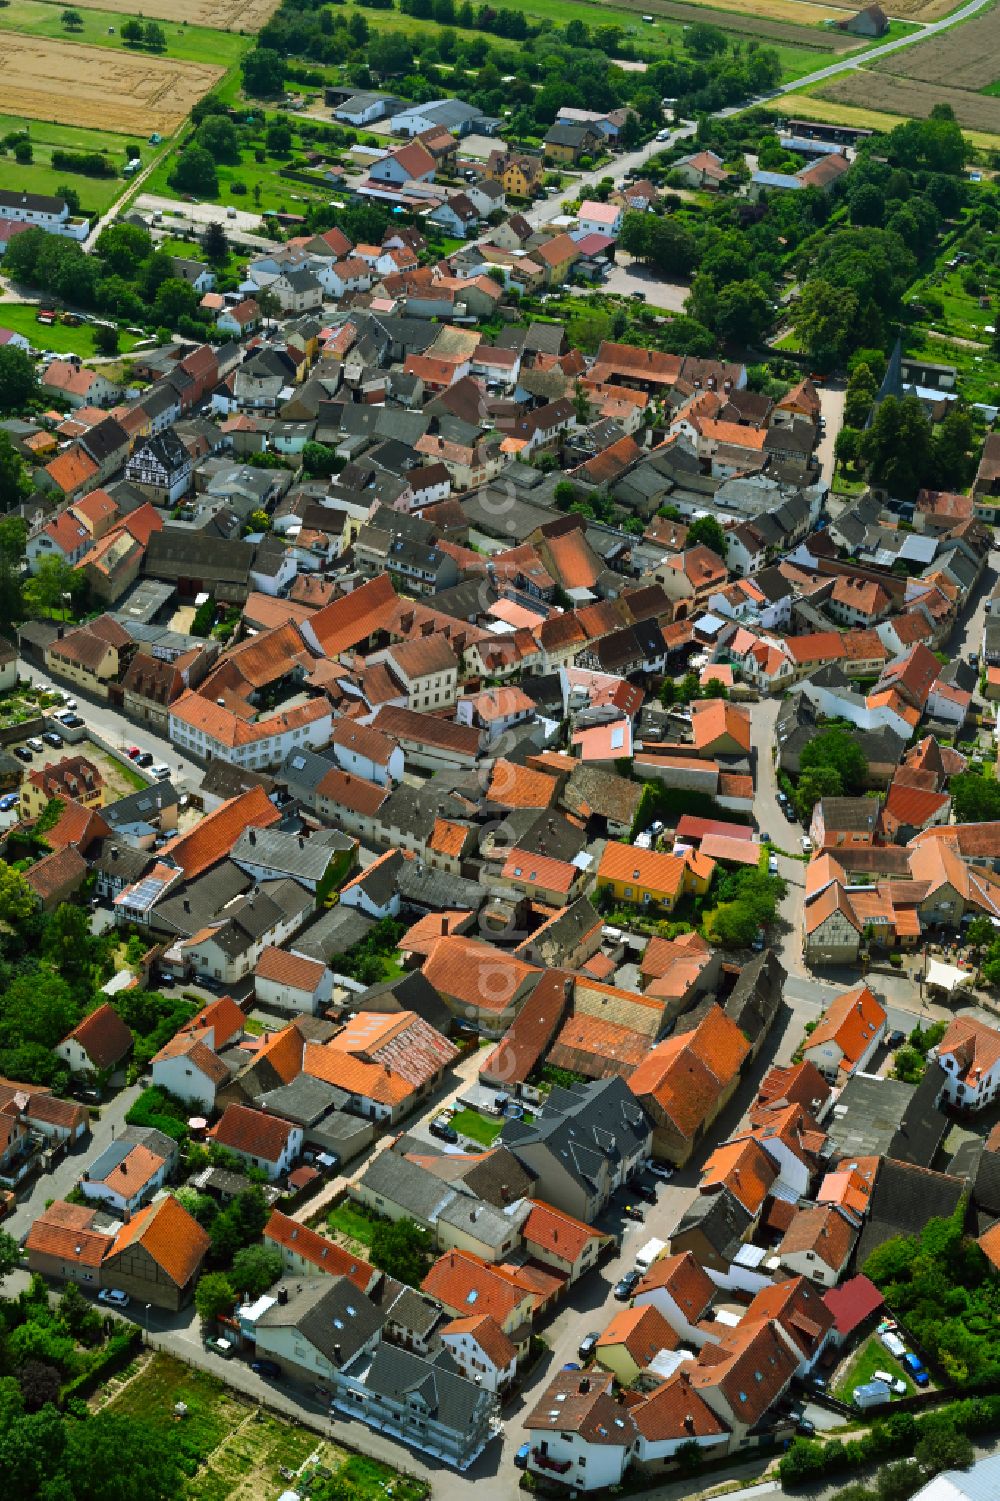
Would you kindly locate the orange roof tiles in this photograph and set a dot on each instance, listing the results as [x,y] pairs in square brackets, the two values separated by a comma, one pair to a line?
[293,970]
[488,1335]
[686,1074]
[822,1230]
[744,1168]
[213,836]
[559,1233]
[464,1283]
[974,1046]
[288,1234]
[642,1331]
[714,719]
[103,1036]
[514,786]
[251,1131]
[171,1236]
[66,1231]
[687,1282]
[851,1021]
[476,974]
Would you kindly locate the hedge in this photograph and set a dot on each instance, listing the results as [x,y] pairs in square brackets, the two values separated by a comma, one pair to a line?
[807,1460]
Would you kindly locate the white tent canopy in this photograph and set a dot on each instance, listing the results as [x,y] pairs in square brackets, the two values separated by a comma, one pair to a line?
[946,976]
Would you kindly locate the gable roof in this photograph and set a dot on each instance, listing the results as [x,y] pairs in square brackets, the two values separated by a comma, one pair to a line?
[103,1036]
[289,1235]
[171,1236]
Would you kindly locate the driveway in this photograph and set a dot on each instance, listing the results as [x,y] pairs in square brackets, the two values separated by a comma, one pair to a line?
[628,276]
[831,405]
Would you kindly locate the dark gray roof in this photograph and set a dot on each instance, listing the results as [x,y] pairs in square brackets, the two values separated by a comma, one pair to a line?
[304,858]
[493,1227]
[413,1311]
[198,902]
[720,1218]
[452,1401]
[119,861]
[923,1128]
[904,1199]
[304,1100]
[754,1000]
[225,781]
[877,1117]
[426,889]
[409,992]
[330,1313]
[408,1185]
[143,806]
[334,933]
[586,1125]
[378,881]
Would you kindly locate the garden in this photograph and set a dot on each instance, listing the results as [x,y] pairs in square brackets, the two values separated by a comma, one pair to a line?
[229,1449]
[401,1247]
[870,1357]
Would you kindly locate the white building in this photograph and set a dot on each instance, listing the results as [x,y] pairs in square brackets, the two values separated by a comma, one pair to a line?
[580,1435]
[969,1053]
[482,1351]
[42,212]
[187,1068]
[290,982]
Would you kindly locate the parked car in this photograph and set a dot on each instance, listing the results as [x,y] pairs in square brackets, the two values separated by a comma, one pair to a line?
[443,1131]
[114,1297]
[571,1365]
[72,721]
[8,801]
[633,1212]
[626,1285]
[221,1347]
[807,844]
[266,1368]
[588,1345]
[658,1169]
[895,1039]
[645,1192]
[896,1383]
[806,1427]
[772,864]
[915,1367]
[52,738]
[789,812]
[144,758]
[35,743]
[521,1457]
[133,752]
[161,773]
[22,752]
[759,939]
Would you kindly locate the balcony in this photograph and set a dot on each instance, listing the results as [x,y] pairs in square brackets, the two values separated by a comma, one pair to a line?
[546,1462]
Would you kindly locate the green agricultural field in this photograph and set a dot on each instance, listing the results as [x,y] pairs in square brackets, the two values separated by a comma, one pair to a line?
[101,28]
[20,318]
[39,176]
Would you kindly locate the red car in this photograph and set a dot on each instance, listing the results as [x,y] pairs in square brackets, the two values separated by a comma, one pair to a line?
[133,751]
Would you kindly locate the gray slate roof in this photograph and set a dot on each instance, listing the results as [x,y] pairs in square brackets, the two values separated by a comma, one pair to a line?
[331,1314]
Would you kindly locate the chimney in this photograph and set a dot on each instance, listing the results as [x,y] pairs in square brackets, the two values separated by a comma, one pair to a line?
[221,702]
[187,905]
[253,837]
[584,1385]
[689,1423]
[114,852]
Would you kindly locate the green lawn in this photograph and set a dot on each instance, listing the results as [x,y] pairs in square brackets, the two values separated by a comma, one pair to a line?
[265,189]
[350,1220]
[102,28]
[39,175]
[229,1447]
[871,1356]
[20,318]
[477,1127]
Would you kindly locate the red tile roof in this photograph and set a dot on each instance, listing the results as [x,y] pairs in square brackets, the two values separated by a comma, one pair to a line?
[289,1235]
[172,1237]
[553,1230]
[213,836]
[251,1131]
[103,1036]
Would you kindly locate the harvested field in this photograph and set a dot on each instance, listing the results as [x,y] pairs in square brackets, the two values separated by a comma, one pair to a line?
[246,16]
[970,53]
[74,85]
[920,10]
[809,106]
[788,21]
[913,100]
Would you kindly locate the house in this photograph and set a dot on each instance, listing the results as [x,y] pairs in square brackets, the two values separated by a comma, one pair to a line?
[568,143]
[839,822]
[64,1244]
[156,1257]
[422,1400]
[848,1035]
[481,1351]
[581,1436]
[686,1080]
[261,1140]
[126,1175]
[463,1282]
[969,1055]
[290,982]
[584,1142]
[72,777]
[457,216]
[312,1329]
[97,1045]
[408,164]
[682,1292]
[599,218]
[188,1068]
[519,175]
[481,985]
[644,877]
[742,1376]
[702,169]
[160,468]
[559,1240]
[306,1253]
[818,1243]
[632,1341]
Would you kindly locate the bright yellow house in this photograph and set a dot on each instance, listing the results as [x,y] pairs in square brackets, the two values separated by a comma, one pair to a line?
[646,876]
[73,778]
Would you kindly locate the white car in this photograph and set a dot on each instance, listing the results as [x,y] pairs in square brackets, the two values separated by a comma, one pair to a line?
[807,845]
[772,865]
[663,135]
[895,1383]
[114,1296]
[658,1169]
